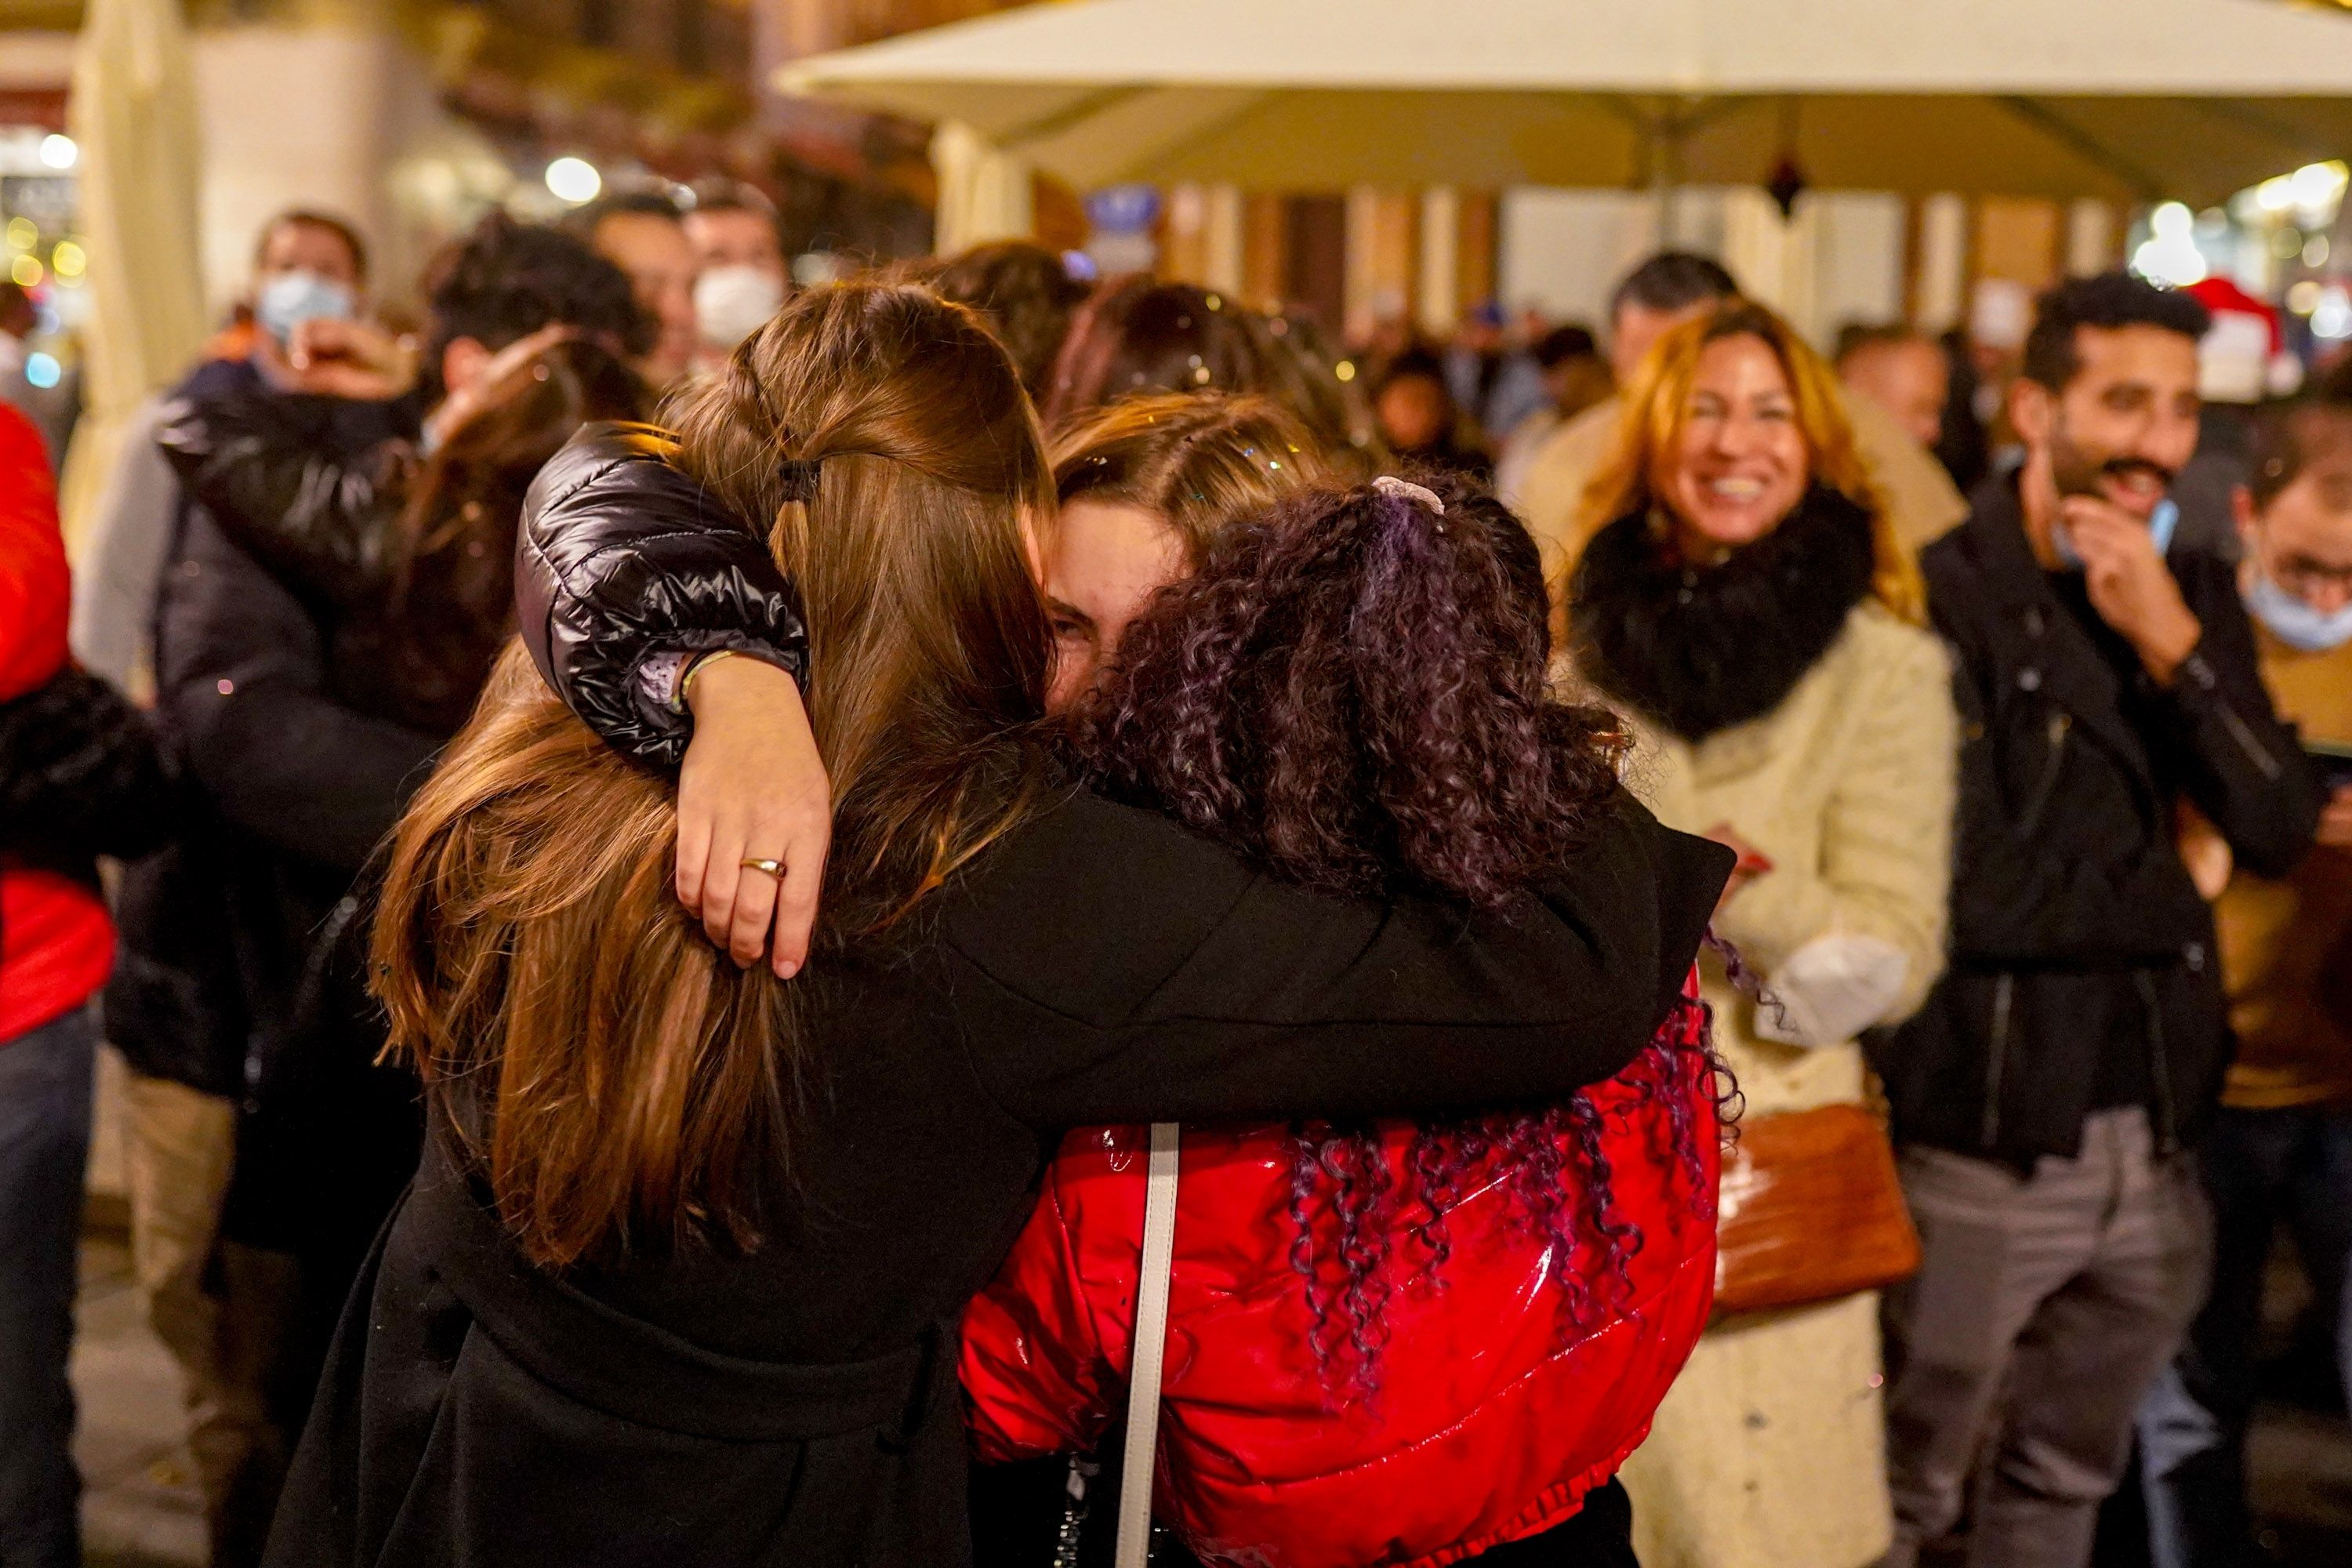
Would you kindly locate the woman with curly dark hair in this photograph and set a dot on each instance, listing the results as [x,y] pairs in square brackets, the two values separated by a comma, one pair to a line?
[1412,1341]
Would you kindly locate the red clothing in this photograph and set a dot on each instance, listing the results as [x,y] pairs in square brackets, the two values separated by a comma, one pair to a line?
[56,941]
[1495,1412]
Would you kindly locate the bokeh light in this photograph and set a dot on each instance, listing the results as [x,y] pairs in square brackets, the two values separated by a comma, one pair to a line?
[574,180]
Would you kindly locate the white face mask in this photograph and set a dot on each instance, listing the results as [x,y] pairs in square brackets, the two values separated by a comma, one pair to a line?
[291,299]
[2293,622]
[732,302]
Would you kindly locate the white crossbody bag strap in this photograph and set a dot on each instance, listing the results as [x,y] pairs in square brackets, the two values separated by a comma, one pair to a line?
[1150,1351]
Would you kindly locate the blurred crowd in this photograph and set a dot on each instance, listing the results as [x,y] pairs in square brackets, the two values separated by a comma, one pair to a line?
[2019,682]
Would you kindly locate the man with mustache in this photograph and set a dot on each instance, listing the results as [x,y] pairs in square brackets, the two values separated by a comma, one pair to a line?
[2045,1098]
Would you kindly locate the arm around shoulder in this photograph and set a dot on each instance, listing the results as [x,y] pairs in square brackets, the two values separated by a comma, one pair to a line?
[1126,969]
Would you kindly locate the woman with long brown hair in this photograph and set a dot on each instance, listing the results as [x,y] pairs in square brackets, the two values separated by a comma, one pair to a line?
[1738,594]
[678,1278]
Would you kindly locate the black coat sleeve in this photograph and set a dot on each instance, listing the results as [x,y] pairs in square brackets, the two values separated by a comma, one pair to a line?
[1117,967]
[620,558]
[282,484]
[80,773]
[241,680]
[2237,762]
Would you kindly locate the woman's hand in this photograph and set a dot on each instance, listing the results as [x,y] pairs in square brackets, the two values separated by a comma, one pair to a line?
[753,788]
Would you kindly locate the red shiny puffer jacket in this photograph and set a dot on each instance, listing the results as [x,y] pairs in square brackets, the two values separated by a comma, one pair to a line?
[1494,1411]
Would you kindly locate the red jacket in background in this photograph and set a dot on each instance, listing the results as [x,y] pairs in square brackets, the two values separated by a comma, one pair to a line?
[56,942]
[1495,1413]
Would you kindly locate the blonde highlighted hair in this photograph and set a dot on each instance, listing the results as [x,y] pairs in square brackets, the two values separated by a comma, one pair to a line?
[1200,461]
[1657,414]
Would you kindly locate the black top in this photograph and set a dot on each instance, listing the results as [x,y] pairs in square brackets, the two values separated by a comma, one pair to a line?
[2076,932]
[238,973]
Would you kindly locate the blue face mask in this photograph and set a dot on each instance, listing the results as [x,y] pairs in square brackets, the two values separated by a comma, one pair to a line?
[288,300]
[2161,525]
[2295,623]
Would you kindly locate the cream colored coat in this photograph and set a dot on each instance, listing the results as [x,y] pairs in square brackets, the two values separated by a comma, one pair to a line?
[1768,1453]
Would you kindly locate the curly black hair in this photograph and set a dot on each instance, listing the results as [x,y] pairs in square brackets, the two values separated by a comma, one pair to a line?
[505,280]
[1354,691]
[2109,300]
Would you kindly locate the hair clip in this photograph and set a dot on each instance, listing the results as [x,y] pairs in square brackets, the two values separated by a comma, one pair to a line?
[800,476]
[1405,490]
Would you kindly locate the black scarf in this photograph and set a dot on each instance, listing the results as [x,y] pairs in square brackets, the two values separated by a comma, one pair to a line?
[1701,649]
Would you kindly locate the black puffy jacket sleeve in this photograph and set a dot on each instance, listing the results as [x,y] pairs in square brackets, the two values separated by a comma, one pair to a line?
[621,557]
[277,478]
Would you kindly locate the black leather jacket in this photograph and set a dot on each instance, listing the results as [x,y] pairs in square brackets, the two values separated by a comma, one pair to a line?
[621,557]
[288,781]
[283,479]
[2083,967]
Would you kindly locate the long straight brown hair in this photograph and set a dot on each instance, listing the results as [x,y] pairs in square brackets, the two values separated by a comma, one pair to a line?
[615,1078]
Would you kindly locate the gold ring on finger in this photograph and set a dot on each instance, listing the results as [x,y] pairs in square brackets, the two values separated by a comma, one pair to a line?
[773,867]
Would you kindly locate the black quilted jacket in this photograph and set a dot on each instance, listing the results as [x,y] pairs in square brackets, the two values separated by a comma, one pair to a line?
[621,557]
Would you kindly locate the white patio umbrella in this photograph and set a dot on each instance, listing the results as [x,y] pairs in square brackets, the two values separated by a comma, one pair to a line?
[2124,100]
[133,115]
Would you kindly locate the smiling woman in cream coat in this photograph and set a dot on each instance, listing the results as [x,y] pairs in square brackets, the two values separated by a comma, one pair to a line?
[1740,598]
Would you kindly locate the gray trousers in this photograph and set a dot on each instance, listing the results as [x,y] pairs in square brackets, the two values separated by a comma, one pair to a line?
[2044,1307]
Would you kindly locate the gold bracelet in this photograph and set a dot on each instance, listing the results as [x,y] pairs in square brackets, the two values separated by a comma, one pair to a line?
[701,661]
